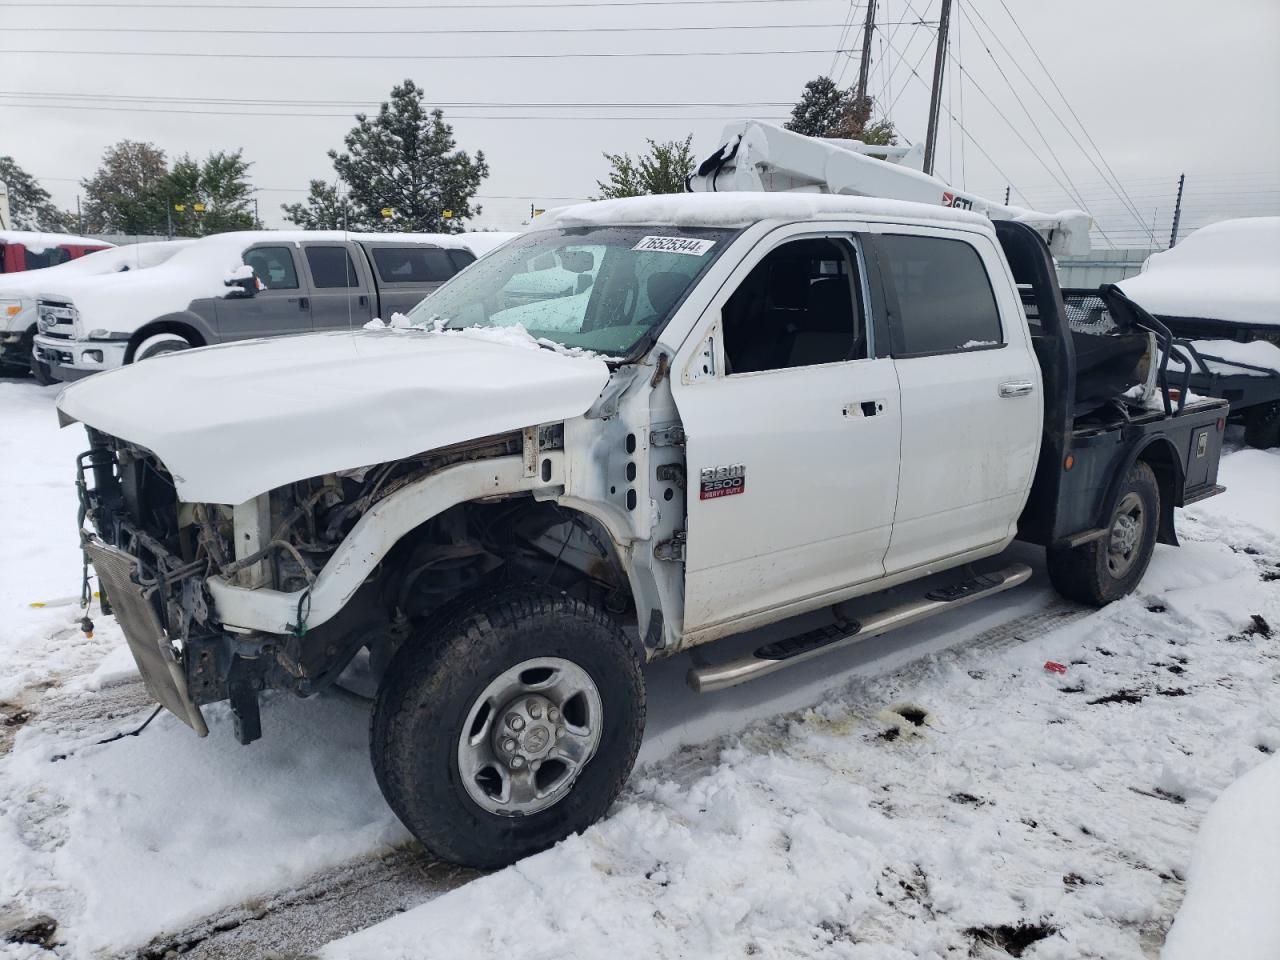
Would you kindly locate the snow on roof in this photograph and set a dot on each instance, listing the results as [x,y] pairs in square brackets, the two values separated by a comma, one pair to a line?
[739,209]
[135,256]
[38,242]
[1228,271]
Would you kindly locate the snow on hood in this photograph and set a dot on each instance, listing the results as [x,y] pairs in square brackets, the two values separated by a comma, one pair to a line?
[38,242]
[740,209]
[236,420]
[136,256]
[1228,271]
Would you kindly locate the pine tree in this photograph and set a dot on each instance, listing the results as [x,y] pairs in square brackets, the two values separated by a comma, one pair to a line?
[324,209]
[405,159]
[220,183]
[128,194]
[824,110]
[30,205]
[664,169]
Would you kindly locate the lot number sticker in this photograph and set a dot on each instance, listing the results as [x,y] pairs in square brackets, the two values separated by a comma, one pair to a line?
[695,248]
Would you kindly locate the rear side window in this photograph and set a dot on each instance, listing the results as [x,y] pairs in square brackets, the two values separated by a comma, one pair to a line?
[945,300]
[413,264]
[461,258]
[273,266]
[332,267]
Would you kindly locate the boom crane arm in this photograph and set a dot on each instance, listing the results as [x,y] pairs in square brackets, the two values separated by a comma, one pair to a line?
[758,156]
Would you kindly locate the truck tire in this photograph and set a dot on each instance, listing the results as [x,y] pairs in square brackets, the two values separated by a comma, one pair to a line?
[1262,426]
[159,343]
[512,725]
[1109,568]
[40,372]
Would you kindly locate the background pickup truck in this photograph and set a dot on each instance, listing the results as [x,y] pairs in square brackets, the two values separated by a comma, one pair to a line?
[236,286]
[747,408]
[19,293]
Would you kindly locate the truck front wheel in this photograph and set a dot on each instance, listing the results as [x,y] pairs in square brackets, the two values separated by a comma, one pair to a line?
[1110,567]
[512,726]
[155,345]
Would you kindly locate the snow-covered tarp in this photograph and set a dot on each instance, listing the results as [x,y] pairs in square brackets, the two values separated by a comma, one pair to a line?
[1228,271]
[38,242]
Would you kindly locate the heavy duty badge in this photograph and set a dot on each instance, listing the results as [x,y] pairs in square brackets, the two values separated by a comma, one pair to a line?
[723,481]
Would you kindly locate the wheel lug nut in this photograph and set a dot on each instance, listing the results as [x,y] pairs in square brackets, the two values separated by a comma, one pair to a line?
[534,708]
[517,762]
[509,745]
[553,714]
[515,721]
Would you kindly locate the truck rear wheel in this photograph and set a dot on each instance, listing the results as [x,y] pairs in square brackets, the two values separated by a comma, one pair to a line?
[1110,567]
[1262,426]
[512,726]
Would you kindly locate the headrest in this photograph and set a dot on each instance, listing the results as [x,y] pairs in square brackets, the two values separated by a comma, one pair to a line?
[664,290]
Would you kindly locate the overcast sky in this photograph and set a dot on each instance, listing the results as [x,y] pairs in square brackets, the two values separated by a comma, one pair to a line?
[1161,87]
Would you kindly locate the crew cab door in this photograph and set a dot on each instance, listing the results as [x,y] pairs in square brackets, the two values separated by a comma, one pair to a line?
[281,305]
[972,409]
[342,295]
[792,427]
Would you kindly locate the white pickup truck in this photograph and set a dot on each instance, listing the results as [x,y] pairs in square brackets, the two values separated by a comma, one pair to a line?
[748,407]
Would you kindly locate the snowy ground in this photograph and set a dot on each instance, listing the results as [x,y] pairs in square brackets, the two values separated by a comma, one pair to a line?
[935,793]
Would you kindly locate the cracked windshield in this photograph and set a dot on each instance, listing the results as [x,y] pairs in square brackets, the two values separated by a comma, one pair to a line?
[603,289]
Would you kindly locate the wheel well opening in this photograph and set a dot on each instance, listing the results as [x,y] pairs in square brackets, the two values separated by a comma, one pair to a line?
[1162,460]
[496,544]
[188,332]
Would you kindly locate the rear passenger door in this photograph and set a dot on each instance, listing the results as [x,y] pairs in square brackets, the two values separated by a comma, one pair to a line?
[341,295]
[280,305]
[408,272]
[972,409]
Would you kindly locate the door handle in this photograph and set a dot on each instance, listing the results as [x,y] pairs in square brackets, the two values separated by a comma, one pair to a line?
[863,408]
[364,300]
[1017,388]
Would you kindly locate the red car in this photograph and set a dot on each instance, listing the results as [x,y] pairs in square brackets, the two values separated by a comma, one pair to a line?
[30,250]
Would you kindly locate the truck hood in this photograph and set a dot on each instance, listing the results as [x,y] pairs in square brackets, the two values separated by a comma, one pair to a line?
[236,420]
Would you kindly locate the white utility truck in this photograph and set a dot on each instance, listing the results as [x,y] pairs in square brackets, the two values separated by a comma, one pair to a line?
[747,407]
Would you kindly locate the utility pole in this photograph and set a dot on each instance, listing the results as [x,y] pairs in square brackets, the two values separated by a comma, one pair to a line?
[1006,195]
[864,69]
[935,95]
[79,217]
[257,221]
[1177,210]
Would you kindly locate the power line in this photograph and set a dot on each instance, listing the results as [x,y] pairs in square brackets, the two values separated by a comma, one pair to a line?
[45,4]
[347,116]
[465,104]
[1119,189]
[431,32]
[188,54]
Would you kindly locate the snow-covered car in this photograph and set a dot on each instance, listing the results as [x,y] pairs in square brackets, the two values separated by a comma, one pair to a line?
[22,250]
[19,294]
[754,407]
[1219,290]
[235,286]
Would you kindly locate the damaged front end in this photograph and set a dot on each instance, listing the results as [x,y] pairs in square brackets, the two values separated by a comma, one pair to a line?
[156,558]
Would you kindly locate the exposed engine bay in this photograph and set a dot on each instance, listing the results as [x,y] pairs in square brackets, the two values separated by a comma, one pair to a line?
[283,539]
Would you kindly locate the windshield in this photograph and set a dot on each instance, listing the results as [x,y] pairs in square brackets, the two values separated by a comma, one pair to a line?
[605,289]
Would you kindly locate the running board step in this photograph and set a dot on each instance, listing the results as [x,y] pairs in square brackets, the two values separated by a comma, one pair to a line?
[805,646]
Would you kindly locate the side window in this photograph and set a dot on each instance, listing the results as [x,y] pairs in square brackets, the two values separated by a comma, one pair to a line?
[800,306]
[945,300]
[461,258]
[331,267]
[412,264]
[273,266]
